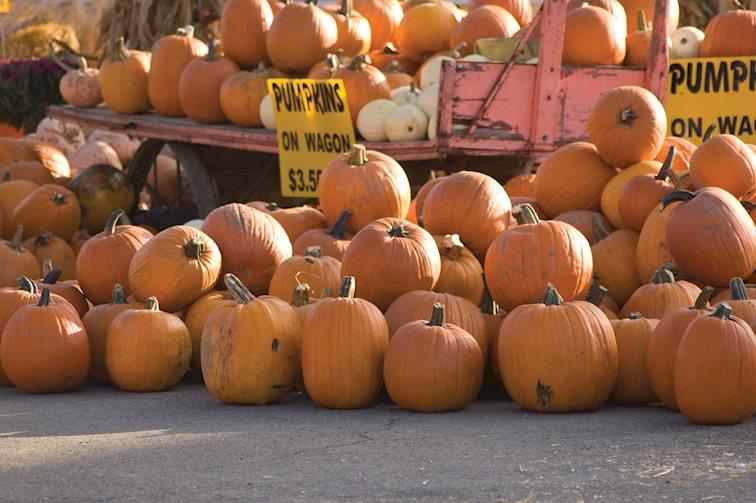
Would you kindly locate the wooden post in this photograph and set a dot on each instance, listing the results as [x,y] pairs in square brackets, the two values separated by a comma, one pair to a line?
[445,105]
[658,61]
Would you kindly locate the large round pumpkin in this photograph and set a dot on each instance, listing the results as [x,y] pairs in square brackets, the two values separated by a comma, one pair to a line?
[49,208]
[384,17]
[12,193]
[522,185]
[592,37]
[318,271]
[333,241]
[461,272]
[613,189]
[15,261]
[388,54]
[741,304]
[123,79]
[613,6]
[200,84]
[633,335]
[726,162]
[652,251]
[100,190]
[244,25]
[488,21]
[598,295]
[426,28]
[298,220]
[241,94]
[642,194]
[363,83]
[354,30]
[614,262]
[660,297]
[32,171]
[522,10]
[196,317]
[730,33]
[47,246]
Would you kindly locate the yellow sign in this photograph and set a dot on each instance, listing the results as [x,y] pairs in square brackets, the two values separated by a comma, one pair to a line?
[5,6]
[717,94]
[313,125]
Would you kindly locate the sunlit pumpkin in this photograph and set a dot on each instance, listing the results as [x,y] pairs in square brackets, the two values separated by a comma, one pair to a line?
[319,271]
[200,84]
[123,79]
[461,272]
[354,29]
[633,335]
[244,25]
[426,28]
[333,242]
[241,94]
[384,17]
[730,33]
[363,83]
[726,162]
[49,208]
[592,37]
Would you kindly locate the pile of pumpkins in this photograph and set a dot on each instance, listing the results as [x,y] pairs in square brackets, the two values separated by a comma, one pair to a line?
[377,47]
[614,272]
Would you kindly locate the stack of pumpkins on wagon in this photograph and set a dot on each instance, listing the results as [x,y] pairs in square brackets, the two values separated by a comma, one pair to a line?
[389,55]
[618,271]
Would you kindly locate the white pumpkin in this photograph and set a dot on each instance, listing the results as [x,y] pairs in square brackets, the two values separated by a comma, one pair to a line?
[431,72]
[477,58]
[96,152]
[406,123]
[124,146]
[406,95]
[266,113]
[433,126]
[686,42]
[197,223]
[371,118]
[71,134]
[428,101]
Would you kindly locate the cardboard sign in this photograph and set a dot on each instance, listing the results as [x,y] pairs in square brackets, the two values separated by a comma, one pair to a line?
[313,126]
[5,6]
[717,94]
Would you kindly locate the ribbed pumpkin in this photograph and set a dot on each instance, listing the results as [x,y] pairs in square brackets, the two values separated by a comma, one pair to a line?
[614,261]
[369,184]
[354,30]
[628,125]
[741,304]
[572,178]
[726,294]
[664,342]
[104,259]
[683,152]
[660,297]
[298,220]
[598,295]
[387,54]
[647,6]
[422,195]
[726,162]
[715,370]
[32,171]
[78,239]
[200,84]
[643,193]
[613,6]
[69,290]
[583,221]
[47,246]
[49,208]
[123,79]
[344,341]
[557,357]
[12,193]
[318,271]
[488,21]
[522,185]
[244,25]
[333,241]
[711,236]
[97,321]
[101,189]
[633,335]
[426,28]
[652,251]
[613,189]
[305,27]
[432,366]
[390,257]
[363,83]
[252,244]
[44,347]
[147,349]
[196,316]
[592,37]
[241,95]
[639,43]
[730,33]
[525,259]
[177,266]
[15,261]
[522,10]
[470,204]
[52,158]
[250,349]
[461,272]
[384,17]
[170,55]
[413,305]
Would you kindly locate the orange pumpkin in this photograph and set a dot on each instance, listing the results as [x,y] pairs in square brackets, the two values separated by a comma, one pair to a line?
[426,28]
[683,152]
[318,271]
[647,6]
[599,296]
[333,241]
[52,158]
[15,261]
[301,301]
[642,194]
[200,84]
[354,30]
[613,189]
[493,316]
[487,21]
[583,221]
[384,17]
[123,79]
[726,294]
[741,304]
[12,193]
[397,76]
[244,26]
[639,43]
[652,251]
[592,37]
[660,297]
[461,272]
[522,185]
[326,68]
[614,261]
[49,208]
[382,57]
[100,190]
[69,290]
[726,162]
[298,220]
[730,33]
[78,239]
[47,246]
[633,335]
[613,6]
[363,83]
[241,94]
[422,195]
[32,171]
[196,316]
[522,10]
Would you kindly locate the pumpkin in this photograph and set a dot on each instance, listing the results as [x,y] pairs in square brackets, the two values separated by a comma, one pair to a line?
[168,180]
[715,369]
[428,101]
[123,79]
[628,125]
[369,184]
[124,147]
[344,341]
[652,251]
[96,322]
[80,87]
[470,204]
[170,55]
[196,317]
[686,42]
[298,220]
[426,28]
[44,347]
[613,189]
[326,68]
[200,84]
[592,37]
[16,261]
[726,162]
[726,294]
[397,76]
[371,119]
[422,195]
[599,296]
[557,356]
[52,158]
[406,123]
[241,94]
[683,152]
[660,297]
[306,27]
[384,17]
[32,171]
[488,21]
[639,43]
[389,257]
[260,333]
[363,83]
[614,261]
[12,192]
[147,349]
[408,95]
[711,236]
[583,221]
[742,306]
[647,6]
[318,271]
[429,72]
[522,185]
[459,311]
[461,272]
[267,116]
[69,290]
[46,246]
[525,259]
[613,6]
[730,33]
[642,194]
[633,335]
[354,34]
[522,10]
[176,266]
[493,316]
[433,366]
[78,239]
[252,244]
[433,127]
[101,189]
[50,207]
[572,178]
[104,259]
[388,54]
[333,242]
[244,26]
[94,152]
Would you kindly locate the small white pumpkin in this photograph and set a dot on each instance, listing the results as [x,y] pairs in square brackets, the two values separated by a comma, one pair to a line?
[124,146]
[433,126]
[406,123]
[428,101]
[476,58]
[266,113]
[196,223]
[72,134]
[686,42]
[430,73]
[96,152]
[370,120]
[407,95]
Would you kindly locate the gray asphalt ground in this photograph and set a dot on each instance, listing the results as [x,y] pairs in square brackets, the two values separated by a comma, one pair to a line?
[101,444]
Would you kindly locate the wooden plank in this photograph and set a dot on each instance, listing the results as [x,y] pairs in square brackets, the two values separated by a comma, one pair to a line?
[658,61]
[446,101]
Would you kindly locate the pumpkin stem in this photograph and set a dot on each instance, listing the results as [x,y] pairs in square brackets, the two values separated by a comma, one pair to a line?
[600,231]
[627,116]
[59,199]
[390,48]
[398,230]
[723,311]
[301,295]
[119,295]
[52,277]
[596,294]
[110,225]
[47,267]
[337,231]
[709,131]
[635,315]
[642,25]
[186,31]
[737,5]
[452,246]
[663,275]
[44,239]
[358,155]
[15,243]
[346,8]
[438,317]
[152,304]
[395,67]
[738,289]
[488,305]
[44,299]
[271,206]
[26,284]
[456,51]
[238,290]
[678,195]
[526,214]
[332,62]
[359,61]
[314,251]
[194,248]
[212,50]
[118,51]
[551,297]
[702,301]
[666,168]
[347,287]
